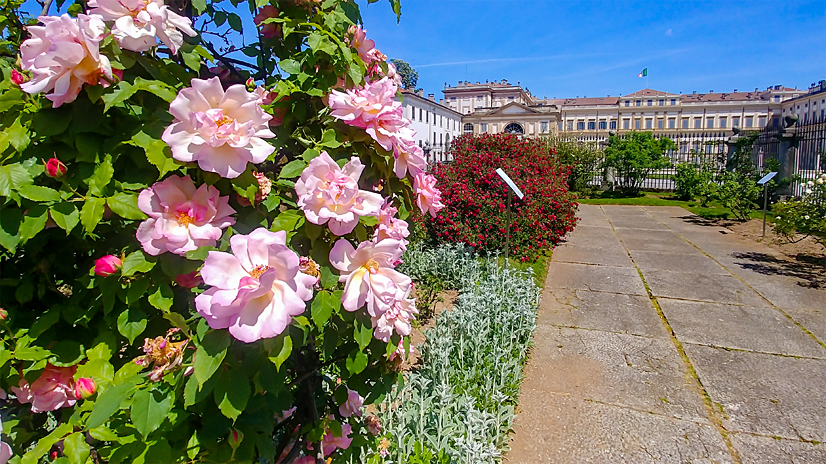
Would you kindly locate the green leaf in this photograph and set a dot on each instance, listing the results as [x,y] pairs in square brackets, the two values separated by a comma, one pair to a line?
[158,88]
[328,139]
[136,262]
[292,169]
[121,93]
[235,22]
[44,322]
[199,5]
[67,353]
[33,222]
[149,409]
[92,213]
[17,135]
[38,193]
[65,215]
[157,152]
[321,43]
[108,402]
[125,205]
[192,59]
[162,298]
[10,222]
[324,305]
[309,154]
[45,444]
[246,185]
[232,393]
[329,280]
[287,220]
[210,355]
[356,362]
[280,348]
[132,323]
[75,448]
[13,176]
[363,333]
[290,66]
[101,177]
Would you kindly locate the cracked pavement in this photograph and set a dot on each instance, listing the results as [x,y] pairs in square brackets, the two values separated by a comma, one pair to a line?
[658,342]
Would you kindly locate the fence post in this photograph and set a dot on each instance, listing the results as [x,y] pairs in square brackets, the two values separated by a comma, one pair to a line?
[787,154]
[731,145]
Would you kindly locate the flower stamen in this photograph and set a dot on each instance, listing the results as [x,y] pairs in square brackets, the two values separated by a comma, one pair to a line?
[183,218]
[372,266]
[258,270]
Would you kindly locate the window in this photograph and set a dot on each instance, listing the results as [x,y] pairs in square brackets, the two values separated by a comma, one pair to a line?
[484,127]
[761,121]
[580,125]
[685,123]
[510,98]
[709,123]
[627,103]
[648,123]
[570,125]
[420,115]
[659,123]
[514,128]
[440,138]
[427,117]
[602,125]
[543,126]
[698,123]
[559,126]
[749,121]
[673,101]
[650,102]
[434,138]
[626,124]
[468,128]
[671,123]
[662,102]
[478,98]
[613,125]
[735,121]
[777,98]
[592,125]
[453,98]
[636,124]
[723,122]
[638,103]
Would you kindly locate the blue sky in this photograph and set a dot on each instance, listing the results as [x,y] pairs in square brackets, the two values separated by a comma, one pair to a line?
[567,48]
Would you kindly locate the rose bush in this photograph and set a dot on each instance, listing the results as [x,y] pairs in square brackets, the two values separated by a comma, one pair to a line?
[194,268]
[475,197]
[803,217]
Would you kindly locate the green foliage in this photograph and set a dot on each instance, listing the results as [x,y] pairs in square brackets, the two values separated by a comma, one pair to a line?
[805,216]
[635,156]
[409,75]
[585,158]
[692,180]
[739,193]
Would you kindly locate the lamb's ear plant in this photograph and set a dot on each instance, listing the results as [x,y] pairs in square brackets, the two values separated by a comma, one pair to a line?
[460,402]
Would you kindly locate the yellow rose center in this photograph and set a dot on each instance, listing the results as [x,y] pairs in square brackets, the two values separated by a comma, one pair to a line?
[371,265]
[258,270]
[184,219]
[224,120]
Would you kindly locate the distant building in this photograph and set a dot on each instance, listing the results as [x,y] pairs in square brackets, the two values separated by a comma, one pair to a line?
[435,124]
[809,106]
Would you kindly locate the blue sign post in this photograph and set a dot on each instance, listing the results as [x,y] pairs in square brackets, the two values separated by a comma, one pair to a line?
[765,183]
[512,189]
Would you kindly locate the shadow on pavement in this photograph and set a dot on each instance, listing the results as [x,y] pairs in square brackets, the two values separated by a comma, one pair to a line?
[811,270]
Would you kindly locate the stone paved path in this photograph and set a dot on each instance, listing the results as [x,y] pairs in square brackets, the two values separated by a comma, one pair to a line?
[661,340]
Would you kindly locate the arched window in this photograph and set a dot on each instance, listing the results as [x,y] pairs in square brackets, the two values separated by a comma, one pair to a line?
[468,128]
[514,128]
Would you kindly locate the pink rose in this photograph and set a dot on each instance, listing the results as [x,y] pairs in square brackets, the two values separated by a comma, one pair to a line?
[264,189]
[408,155]
[352,406]
[181,217]
[54,389]
[428,197]
[85,388]
[269,30]
[400,352]
[373,108]
[18,78]
[369,275]
[330,195]
[138,22]
[373,424]
[397,319]
[256,290]
[107,265]
[64,54]
[391,227]
[5,450]
[55,168]
[191,280]
[359,41]
[330,442]
[221,131]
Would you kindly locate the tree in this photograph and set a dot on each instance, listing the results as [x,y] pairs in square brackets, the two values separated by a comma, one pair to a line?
[635,156]
[409,75]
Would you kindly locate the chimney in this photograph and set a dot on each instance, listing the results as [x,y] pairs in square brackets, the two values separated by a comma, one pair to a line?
[755,89]
[694,92]
[442,101]
[477,82]
[735,90]
[710,91]
[518,83]
[460,82]
[420,92]
[431,97]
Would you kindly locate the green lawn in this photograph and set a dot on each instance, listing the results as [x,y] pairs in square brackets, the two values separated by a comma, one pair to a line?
[540,267]
[713,211]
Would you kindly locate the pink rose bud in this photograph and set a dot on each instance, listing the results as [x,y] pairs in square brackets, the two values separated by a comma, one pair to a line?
[85,388]
[55,168]
[3,314]
[118,73]
[235,438]
[17,78]
[107,265]
[191,280]
[250,85]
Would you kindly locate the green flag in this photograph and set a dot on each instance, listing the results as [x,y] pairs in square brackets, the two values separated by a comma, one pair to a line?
[644,73]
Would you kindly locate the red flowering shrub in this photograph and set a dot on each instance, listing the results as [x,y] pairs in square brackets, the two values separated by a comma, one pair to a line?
[475,197]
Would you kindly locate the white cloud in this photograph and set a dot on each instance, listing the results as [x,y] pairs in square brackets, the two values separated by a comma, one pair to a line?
[669,33]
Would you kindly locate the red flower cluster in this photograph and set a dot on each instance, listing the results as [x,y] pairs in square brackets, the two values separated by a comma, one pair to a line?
[475,197]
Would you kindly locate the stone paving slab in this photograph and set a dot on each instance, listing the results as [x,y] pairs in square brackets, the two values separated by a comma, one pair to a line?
[677,262]
[578,431]
[765,394]
[770,450]
[595,278]
[733,326]
[611,312]
[594,237]
[641,373]
[639,224]
[674,245]
[662,236]
[702,287]
[614,256]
